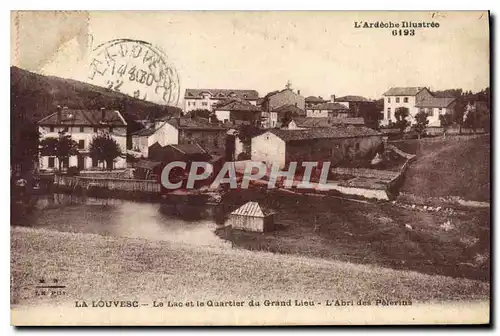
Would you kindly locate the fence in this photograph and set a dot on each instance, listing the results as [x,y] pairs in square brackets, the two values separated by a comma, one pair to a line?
[73,182]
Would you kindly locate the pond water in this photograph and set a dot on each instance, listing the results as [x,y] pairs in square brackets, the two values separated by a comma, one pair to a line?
[120,218]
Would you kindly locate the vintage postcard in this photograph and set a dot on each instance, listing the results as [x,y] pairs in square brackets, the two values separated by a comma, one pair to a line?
[250,168]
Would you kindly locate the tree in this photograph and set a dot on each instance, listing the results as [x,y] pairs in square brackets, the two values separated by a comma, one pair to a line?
[401,114]
[370,112]
[286,119]
[61,147]
[421,123]
[458,112]
[471,120]
[446,121]
[105,149]
[201,113]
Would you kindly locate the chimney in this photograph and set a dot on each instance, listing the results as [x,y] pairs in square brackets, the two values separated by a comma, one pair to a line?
[103,113]
[332,98]
[298,92]
[59,113]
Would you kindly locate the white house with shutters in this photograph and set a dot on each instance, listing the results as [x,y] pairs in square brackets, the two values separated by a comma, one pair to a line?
[83,126]
[416,99]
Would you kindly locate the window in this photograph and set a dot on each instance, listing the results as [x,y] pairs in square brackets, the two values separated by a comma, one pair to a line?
[405,99]
[65,129]
[204,104]
[216,144]
[51,129]
[388,99]
[81,144]
[66,162]
[430,112]
[397,99]
[95,129]
[389,113]
[111,129]
[440,110]
[51,162]
[94,162]
[357,146]
[82,129]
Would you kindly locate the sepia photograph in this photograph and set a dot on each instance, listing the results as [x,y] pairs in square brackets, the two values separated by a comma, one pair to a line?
[250,168]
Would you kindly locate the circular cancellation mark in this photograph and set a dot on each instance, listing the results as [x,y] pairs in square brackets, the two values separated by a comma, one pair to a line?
[136,68]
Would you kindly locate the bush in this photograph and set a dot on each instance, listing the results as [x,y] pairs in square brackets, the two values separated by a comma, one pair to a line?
[73,171]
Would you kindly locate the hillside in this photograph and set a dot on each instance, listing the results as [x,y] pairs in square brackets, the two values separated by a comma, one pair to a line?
[35,96]
[453,167]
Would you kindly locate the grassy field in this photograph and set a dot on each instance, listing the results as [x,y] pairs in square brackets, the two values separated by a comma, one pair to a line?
[456,166]
[98,267]
[337,229]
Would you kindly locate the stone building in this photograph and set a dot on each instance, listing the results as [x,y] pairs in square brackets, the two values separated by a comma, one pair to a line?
[338,145]
[207,99]
[182,130]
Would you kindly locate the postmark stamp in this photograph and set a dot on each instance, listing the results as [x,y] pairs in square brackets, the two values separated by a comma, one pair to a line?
[136,68]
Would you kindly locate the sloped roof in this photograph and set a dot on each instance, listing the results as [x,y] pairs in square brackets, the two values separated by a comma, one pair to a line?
[352,99]
[328,106]
[221,93]
[314,99]
[189,148]
[334,132]
[147,164]
[146,131]
[85,118]
[404,91]
[290,108]
[237,105]
[194,123]
[327,122]
[251,209]
[434,102]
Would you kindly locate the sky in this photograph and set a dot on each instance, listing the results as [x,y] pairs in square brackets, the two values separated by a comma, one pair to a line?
[320,53]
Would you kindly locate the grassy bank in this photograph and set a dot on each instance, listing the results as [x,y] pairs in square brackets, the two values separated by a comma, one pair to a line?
[98,267]
[368,233]
[456,166]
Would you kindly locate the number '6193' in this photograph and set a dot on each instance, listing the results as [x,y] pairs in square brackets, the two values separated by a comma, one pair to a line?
[403,32]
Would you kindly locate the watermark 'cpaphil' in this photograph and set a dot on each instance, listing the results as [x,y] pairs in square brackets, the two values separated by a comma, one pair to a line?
[179,174]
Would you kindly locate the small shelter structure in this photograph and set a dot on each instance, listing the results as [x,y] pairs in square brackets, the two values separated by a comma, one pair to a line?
[252,217]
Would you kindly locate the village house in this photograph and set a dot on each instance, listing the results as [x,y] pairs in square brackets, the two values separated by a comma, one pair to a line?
[350,101]
[327,122]
[415,99]
[337,145]
[207,99]
[237,111]
[187,153]
[83,125]
[182,130]
[434,107]
[313,100]
[325,110]
[276,99]
[356,104]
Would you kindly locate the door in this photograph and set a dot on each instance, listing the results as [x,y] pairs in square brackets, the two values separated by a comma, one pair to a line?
[81,162]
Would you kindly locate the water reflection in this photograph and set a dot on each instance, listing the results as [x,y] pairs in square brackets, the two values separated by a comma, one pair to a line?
[113,217]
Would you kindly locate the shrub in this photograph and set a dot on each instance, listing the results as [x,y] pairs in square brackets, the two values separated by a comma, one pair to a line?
[73,171]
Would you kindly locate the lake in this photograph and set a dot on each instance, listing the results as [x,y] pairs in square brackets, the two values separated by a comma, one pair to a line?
[122,218]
